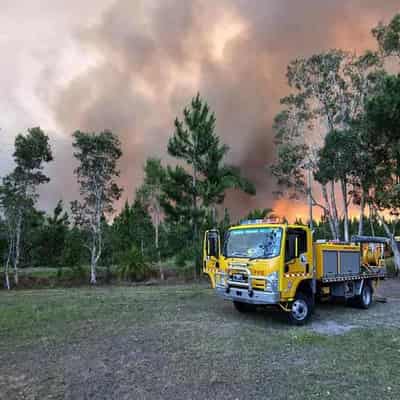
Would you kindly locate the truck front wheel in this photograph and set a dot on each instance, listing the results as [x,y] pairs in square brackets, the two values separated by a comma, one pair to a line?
[301,309]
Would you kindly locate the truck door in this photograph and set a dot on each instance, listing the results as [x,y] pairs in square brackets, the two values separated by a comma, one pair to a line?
[211,252]
[298,257]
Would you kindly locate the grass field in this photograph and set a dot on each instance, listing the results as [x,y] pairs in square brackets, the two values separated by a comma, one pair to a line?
[181,342]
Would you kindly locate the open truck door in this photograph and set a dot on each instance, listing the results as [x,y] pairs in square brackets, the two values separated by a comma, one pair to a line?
[211,253]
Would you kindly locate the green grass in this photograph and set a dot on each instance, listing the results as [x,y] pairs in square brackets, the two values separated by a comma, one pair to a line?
[185,339]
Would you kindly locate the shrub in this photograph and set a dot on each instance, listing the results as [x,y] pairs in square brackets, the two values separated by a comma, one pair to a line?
[133,266]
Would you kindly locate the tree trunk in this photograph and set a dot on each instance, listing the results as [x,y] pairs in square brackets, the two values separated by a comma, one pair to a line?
[17,248]
[335,211]
[393,243]
[371,221]
[328,210]
[7,266]
[195,216]
[343,185]
[93,258]
[93,280]
[362,208]
[309,199]
[157,225]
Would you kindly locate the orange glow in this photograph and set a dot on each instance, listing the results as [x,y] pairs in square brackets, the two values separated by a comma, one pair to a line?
[291,209]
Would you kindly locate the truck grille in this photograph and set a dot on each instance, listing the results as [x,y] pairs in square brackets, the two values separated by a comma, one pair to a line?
[238,277]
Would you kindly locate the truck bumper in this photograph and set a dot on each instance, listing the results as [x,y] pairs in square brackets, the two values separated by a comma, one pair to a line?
[246,296]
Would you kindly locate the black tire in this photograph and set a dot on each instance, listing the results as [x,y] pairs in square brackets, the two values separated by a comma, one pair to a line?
[244,307]
[300,309]
[365,299]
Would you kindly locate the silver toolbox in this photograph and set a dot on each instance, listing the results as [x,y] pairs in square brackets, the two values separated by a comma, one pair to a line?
[350,262]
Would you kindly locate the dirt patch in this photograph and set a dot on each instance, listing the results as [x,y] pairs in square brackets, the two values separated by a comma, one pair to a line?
[331,327]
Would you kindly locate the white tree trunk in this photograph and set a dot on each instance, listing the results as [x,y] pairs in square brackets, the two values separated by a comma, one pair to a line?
[309,199]
[157,228]
[93,280]
[328,211]
[335,216]
[93,257]
[343,186]
[7,267]
[17,247]
[371,221]
[362,208]
[195,216]
[93,264]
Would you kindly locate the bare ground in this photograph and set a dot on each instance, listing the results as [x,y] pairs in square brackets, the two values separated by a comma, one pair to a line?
[182,342]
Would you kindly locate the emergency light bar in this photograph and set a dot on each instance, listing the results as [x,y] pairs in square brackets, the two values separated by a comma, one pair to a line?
[252,221]
[272,220]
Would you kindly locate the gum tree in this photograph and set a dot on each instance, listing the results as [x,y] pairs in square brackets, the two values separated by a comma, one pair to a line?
[329,92]
[381,132]
[18,192]
[98,155]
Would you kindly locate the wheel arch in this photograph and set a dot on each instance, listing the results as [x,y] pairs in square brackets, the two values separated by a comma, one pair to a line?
[305,286]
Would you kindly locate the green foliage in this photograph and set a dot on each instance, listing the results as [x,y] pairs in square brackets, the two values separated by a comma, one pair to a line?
[132,265]
[74,253]
[98,155]
[381,132]
[31,151]
[133,227]
[336,157]
[388,36]
[49,238]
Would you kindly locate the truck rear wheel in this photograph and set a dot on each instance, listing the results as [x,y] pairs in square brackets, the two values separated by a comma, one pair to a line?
[365,298]
[244,307]
[301,309]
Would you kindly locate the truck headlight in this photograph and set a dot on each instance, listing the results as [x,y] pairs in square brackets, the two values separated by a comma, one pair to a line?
[271,284]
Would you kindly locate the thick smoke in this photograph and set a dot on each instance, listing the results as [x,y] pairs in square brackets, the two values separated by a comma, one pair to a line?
[155,55]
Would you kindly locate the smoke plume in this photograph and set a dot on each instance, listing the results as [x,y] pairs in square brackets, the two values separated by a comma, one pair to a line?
[153,56]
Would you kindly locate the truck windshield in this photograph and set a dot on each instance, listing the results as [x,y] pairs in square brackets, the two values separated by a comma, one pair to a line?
[253,242]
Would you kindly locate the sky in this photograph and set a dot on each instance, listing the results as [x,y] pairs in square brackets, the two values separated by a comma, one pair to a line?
[133,65]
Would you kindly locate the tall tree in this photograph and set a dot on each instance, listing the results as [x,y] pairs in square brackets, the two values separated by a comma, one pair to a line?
[330,91]
[381,131]
[335,163]
[151,191]
[18,193]
[98,155]
[191,193]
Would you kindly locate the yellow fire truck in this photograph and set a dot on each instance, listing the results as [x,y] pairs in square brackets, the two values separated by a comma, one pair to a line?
[265,263]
